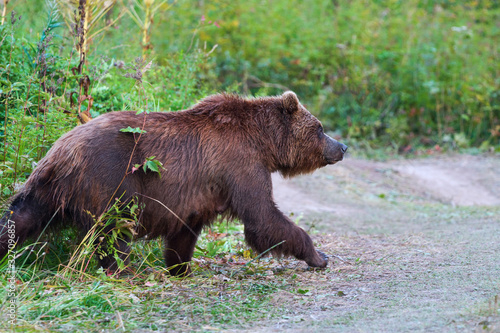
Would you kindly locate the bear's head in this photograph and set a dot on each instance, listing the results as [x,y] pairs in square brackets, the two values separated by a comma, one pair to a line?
[308,147]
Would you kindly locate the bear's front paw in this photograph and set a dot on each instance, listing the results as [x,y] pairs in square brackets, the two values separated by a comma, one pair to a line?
[320,260]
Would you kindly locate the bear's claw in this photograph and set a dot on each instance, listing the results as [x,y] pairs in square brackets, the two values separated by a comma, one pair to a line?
[323,255]
[321,263]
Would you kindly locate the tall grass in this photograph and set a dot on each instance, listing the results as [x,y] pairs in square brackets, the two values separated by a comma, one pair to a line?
[57,77]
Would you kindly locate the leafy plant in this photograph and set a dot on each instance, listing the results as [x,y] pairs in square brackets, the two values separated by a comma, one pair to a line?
[116,225]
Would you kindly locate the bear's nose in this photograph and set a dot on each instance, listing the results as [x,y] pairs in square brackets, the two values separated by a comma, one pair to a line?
[343,148]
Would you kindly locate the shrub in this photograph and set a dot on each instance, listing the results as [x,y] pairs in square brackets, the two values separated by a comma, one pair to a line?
[388,71]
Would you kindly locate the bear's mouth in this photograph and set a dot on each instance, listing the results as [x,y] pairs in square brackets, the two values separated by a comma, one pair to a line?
[331,161]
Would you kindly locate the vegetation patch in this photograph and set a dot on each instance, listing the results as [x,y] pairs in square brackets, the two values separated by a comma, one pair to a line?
[230,287]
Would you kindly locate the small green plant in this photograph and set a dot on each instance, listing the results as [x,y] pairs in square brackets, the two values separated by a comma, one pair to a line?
[219,240]
[118,224]
[132,130]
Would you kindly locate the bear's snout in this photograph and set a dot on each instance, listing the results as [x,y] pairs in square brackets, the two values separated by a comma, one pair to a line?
[343,148]
[334,150]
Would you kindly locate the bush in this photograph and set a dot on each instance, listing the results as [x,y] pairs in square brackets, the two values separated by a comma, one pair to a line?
[389,71]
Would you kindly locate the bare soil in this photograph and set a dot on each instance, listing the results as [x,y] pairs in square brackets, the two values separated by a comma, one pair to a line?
[414,245]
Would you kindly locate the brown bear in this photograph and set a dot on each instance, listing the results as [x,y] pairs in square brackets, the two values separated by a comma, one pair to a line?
[217,158]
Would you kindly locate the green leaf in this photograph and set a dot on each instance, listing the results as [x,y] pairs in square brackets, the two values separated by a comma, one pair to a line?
[132,130]
[153,165]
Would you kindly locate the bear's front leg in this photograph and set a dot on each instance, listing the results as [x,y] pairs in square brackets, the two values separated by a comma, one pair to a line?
[266,226]
[262,233]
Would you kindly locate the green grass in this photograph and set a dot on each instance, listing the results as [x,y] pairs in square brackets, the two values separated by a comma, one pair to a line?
[228,288]
[105,303]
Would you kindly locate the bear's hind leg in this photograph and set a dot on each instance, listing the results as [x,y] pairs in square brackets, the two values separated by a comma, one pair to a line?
[179,250]
[109,255]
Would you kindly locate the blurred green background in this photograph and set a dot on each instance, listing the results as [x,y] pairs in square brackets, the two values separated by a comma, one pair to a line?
[401,75]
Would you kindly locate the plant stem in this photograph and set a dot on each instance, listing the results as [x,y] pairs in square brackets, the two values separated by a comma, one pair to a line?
[4,11]
[7,107]
[145,29]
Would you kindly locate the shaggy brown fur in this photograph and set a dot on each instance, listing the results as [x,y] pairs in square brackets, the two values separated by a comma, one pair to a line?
[218,158]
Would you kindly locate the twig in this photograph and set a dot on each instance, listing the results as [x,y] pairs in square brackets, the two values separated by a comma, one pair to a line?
[267,84]
[4,10]
[338,257]
[161,203]
[258,257]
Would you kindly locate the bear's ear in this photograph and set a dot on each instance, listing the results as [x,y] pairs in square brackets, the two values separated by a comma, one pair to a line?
[290,101]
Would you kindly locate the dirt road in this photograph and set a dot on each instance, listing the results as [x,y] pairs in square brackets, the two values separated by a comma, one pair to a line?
[415,245]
